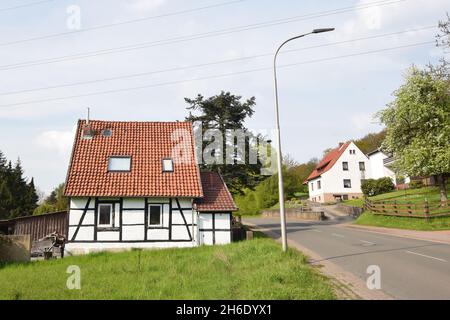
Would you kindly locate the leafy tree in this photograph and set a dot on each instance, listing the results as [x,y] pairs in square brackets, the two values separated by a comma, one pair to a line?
[226,112]
[371,142]
[443,40]
[55,202]
[418,126]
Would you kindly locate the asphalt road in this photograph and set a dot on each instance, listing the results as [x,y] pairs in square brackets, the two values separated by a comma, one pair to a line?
[410,269]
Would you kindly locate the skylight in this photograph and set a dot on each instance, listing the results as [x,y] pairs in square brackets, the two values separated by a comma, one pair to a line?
[167,165]
[119,164]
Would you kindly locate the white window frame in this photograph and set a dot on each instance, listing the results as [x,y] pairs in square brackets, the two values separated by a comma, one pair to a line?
[350,183]
[160,215]
[171,164]
[319,185]
[119,157]
[111,215]
[343,166]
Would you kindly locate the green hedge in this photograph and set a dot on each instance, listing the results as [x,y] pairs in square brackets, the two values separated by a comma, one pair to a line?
[372,187]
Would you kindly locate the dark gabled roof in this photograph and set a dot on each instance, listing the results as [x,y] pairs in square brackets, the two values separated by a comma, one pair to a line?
[217,198]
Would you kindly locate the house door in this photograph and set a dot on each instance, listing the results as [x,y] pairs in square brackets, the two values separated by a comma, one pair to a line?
[205,228]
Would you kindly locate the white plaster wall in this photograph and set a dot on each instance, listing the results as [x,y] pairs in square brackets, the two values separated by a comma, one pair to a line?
[133,233]
[222,221]
[133,203]
[205,221]
[378,169]
[86,248]
[108,236]
[223,237]
[133,217]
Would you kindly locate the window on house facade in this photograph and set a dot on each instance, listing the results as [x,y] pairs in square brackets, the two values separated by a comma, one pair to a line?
[345,197]
[362,166]
[352,151]
[319,185]
[345,166]
[105,215]
[167,165]
[347,183]
[312,186]
[155,215]
[119,164]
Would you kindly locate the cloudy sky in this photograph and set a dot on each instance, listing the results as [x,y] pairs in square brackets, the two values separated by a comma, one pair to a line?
[138,59]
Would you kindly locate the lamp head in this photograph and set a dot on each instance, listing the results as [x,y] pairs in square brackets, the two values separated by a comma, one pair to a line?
[322,30]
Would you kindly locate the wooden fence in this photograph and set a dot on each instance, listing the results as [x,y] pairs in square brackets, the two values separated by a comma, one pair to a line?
[400,209]
[39,226]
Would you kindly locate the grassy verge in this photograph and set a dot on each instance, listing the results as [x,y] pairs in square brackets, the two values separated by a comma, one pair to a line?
[254,269]
[403,196]
[433,224]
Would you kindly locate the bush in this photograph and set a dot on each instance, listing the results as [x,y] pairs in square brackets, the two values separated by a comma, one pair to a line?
[372,187]
[416,184]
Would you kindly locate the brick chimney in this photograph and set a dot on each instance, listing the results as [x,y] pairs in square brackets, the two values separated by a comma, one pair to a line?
[87,131]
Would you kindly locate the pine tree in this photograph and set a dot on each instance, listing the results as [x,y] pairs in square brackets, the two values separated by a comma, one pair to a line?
[227,112]
[32,198]
[5,200]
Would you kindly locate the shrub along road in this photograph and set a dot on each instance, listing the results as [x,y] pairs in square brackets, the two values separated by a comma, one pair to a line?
[410,269]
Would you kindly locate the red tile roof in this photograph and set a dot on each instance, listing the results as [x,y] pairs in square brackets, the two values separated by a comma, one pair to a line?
[147,143]
[328,161]
[217,197]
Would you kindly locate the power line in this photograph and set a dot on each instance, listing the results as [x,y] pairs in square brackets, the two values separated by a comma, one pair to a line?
[191,37]
[210,77]
[25,5]
[170,14]
[140,74]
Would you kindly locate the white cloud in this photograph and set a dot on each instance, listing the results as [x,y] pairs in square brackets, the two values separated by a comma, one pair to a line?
[55,140]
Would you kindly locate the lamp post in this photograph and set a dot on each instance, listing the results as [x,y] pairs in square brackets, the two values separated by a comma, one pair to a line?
[279,155]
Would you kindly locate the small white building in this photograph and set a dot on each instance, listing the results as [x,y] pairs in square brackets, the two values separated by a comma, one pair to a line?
[138,185]
[339,174]
[379,162]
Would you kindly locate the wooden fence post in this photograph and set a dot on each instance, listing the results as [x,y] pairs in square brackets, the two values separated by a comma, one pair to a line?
[395,207]
[427,210]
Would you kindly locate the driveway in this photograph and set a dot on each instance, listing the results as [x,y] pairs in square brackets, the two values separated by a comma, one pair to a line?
[410,268]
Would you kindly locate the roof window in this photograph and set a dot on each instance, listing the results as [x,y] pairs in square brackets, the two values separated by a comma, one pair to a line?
[167,165]
[119,164]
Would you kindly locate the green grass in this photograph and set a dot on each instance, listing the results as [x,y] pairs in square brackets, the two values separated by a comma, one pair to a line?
[254,269]
[434,224]
[404,196]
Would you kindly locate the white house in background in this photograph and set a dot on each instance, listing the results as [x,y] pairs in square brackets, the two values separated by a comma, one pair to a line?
[129,189]
[339,174]
[380,164]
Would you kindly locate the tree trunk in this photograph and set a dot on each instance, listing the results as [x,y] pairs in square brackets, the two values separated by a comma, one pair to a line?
[443,190]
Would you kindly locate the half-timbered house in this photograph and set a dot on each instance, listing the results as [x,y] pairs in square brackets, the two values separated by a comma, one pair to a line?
[138,185]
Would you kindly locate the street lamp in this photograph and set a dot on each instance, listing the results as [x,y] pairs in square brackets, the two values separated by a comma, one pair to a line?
[279,156]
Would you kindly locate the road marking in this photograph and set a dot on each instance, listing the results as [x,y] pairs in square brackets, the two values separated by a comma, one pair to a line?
[368,242]
[337,235]
[424,255]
